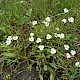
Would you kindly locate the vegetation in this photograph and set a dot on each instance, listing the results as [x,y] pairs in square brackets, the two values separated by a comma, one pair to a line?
[41,37]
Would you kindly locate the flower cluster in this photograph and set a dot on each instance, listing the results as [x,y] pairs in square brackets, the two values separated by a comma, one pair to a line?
[47,21]
[70,19]
[59,35]
[41,47]
[31,37]
[72,52]
[9,38]
[66,47]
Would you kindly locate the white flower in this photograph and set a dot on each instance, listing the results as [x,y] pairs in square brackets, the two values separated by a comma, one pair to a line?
[31,34]
[53,51]
[68,55]
[48,19]
[77,64]
[73,52]
[61,35]
[57,29]
[15,37]
[58,35]
[46,23]
[9,38]
[66,47]
[48,36]
[41,47]
[8,42]
[38,40]
[71,19]
[31,39]
[64,20]
[34,22]
[65,10]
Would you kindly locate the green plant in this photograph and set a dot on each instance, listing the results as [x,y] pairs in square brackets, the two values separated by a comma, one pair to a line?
[7,77]
[46,37]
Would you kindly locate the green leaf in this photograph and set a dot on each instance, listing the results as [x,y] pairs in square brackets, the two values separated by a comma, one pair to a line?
[47,50]
[51,76]
[30,67]
[8,54]
[41,77]
[75,39]
[7,77]
[68,36]
[48,56]
[29,12]
[53,65]
[45,67]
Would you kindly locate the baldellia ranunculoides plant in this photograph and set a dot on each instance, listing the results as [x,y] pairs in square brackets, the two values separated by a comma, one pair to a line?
[42,37]
[52,50]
